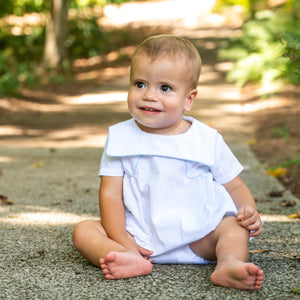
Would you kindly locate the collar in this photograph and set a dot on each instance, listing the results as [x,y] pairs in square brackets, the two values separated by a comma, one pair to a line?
[196,144]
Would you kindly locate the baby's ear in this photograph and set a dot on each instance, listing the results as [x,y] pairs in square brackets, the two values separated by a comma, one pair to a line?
[190,99]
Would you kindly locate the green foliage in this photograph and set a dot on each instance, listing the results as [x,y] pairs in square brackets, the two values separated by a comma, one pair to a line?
[292,49]
[250,6]
[85,39]
[8,80]
[224,3]
[24,47]
[258,52]
[12,76]
[21,53]
[296,290]
[113,1]
[85,3]
[288,163]
[19,58]
[20,7]
[281,132]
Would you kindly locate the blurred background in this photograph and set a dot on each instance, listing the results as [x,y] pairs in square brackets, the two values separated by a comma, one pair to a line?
[64,70]
[44,41]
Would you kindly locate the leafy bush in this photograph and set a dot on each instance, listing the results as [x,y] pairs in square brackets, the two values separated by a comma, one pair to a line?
[23,47]
[20,7]
[258,52]
[250,7]
[19,58]
[85,39]
[8,81]
[292,50]
[22,53]
[85,3]
[12,76]
[292,46]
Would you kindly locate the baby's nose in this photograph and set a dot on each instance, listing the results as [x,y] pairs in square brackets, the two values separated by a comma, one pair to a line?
[150,94]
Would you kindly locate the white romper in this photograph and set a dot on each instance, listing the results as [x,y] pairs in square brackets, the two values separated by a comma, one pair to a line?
[172,188]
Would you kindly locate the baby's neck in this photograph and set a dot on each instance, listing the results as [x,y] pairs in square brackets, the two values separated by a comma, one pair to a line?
[182,127]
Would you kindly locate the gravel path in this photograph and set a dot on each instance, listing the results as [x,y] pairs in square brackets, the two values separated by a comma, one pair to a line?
[52,190]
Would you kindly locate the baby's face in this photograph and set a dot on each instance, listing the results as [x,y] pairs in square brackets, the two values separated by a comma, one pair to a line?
[159,93]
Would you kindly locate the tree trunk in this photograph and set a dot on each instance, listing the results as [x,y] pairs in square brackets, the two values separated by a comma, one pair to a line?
[56,33]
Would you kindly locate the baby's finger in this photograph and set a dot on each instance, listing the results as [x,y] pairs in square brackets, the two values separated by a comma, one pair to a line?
[254,226]
[248,222]
[144,252]
[240,214]
[248,212]
[256,233]
[245,213]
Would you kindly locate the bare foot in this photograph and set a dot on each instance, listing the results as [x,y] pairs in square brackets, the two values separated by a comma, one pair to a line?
[118,265]
[239,275]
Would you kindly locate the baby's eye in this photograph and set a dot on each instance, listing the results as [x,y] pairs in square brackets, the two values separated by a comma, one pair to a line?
[165,88]
[140,84]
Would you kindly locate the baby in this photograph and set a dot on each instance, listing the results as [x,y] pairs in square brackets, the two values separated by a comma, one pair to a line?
[170,190]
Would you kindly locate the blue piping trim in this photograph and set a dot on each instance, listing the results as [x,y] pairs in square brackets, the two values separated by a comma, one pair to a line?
[135,167]
[198,175]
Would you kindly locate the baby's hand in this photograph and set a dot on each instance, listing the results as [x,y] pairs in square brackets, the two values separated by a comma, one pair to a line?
[137,248]
[249,218]
[144,252]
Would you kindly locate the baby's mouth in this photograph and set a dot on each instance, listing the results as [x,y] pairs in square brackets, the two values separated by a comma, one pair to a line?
[150,109]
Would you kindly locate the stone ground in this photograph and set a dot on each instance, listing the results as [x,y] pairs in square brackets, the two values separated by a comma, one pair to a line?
[49,164]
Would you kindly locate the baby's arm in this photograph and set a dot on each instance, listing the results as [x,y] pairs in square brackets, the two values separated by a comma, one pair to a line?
[112,213]
[248,216]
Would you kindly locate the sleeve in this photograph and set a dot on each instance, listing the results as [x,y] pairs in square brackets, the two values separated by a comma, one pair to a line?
[110,166]
[226,166]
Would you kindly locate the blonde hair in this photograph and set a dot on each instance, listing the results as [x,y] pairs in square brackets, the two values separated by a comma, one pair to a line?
[175,47]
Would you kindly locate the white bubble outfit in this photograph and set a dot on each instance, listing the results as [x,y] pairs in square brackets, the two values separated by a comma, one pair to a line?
[172,189]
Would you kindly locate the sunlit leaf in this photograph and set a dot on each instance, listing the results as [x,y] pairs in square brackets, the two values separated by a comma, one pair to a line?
[290,255]
[294,216]
[5,201]
[37,164]
[259,251]
[278,172]
[251,142]
[296,290]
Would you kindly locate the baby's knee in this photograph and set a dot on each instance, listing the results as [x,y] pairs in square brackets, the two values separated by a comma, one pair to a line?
[79,234]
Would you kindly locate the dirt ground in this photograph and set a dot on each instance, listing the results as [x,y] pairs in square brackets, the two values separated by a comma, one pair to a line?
[277,138]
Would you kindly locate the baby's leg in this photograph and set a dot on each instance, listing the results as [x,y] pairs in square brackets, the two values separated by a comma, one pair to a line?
[117,262]
[228,244]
